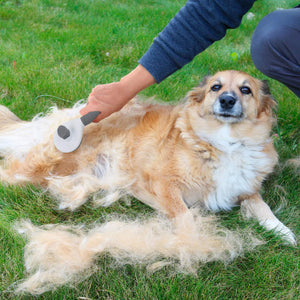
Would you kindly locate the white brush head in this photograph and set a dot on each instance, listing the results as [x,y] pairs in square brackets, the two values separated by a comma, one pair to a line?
[68,136]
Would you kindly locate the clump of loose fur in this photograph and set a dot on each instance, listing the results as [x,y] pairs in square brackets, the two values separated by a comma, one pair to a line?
[60,254]
[295,163]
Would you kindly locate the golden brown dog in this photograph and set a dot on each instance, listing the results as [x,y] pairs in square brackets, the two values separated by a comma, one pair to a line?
[212,151]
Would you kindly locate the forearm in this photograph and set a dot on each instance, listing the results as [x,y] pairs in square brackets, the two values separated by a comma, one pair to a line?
[136,81]
[195,27]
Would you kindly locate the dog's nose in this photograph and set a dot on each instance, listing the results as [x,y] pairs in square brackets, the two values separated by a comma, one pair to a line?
[227,101]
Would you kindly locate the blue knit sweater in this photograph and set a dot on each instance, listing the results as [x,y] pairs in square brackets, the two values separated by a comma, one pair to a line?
[195,27]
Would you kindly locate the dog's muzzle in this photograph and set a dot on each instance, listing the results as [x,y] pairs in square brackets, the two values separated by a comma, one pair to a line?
[228,108]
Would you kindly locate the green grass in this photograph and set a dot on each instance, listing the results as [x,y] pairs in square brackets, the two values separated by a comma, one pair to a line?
[61,50]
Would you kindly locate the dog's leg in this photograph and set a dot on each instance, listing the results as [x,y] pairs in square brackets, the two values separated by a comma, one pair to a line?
[167,199]
[73,191]
[254,206]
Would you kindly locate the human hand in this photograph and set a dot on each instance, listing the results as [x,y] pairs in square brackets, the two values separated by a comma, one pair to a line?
[111,97]
[107,98]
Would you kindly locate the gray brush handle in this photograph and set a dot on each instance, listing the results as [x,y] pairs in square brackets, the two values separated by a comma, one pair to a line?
[89,117]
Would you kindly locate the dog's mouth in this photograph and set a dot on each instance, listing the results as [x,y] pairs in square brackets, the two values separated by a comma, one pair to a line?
[228,117]
[228,108]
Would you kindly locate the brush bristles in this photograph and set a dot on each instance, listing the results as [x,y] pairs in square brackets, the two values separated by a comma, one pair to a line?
[58,254]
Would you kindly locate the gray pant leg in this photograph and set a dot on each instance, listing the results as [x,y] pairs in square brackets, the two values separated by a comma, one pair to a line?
[275,47]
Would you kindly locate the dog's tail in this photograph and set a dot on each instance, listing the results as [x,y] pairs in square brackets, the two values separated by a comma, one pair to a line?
[17,137]
[11,140]
[8,120]
[58,254]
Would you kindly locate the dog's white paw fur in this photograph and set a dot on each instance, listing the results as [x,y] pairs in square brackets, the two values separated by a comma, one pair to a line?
[280,229]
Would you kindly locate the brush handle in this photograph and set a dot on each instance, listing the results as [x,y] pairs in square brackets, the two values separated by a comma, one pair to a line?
[64,132]
[89,117]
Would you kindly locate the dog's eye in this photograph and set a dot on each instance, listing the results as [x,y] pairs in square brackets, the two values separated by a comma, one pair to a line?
[216,87]
[245,90]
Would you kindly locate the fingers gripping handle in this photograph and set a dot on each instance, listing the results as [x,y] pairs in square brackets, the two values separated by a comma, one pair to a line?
[89,117]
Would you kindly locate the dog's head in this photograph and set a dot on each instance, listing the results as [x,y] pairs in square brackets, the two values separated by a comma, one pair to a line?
[233,96]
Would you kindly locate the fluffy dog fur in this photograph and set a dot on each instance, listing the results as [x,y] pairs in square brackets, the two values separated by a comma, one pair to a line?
[212,151]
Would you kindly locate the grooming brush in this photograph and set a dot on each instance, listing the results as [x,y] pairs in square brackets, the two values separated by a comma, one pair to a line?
[68,136]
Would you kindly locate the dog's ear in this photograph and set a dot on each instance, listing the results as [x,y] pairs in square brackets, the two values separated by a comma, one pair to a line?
[267,102]
[198,93]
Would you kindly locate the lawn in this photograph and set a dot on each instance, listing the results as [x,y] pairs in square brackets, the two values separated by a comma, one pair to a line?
[55,52]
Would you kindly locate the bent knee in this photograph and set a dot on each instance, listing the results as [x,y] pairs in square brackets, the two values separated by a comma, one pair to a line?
[269,40]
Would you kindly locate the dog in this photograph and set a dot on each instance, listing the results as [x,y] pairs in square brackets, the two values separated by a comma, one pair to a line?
[212,151]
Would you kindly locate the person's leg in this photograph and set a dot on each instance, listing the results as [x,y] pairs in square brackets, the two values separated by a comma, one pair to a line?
[275,47]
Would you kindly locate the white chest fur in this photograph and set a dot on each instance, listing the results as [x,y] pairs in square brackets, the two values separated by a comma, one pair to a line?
[241,161]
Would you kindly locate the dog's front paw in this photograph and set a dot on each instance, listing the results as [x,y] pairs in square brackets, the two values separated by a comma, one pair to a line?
[280,229]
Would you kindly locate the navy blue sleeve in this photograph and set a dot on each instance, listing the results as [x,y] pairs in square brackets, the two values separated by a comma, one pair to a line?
[195,27]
